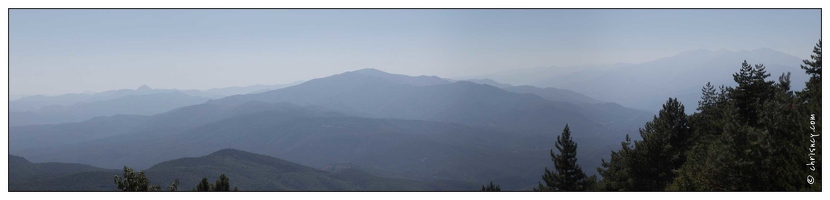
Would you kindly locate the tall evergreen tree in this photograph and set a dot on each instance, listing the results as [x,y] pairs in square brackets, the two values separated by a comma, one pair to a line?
[490,188]
[222,184]
[810,98]
[568,175]
[750,137]
[649,164]
[204,186]
[709,97]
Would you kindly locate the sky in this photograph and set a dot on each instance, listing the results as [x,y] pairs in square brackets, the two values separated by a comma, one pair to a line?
[54,51]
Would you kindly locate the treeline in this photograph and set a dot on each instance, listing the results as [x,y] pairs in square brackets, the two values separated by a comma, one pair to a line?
[757,136]
[138,182]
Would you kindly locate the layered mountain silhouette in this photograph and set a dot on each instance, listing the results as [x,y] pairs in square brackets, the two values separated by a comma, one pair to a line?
[422,128]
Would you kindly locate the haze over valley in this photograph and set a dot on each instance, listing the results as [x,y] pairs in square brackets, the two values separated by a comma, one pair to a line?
[413,100]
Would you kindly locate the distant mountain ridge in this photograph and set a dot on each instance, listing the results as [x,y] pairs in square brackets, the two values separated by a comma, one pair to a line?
[421,128]
[147,104]
[35,102]
[646,86]
[144,100]
[373,95]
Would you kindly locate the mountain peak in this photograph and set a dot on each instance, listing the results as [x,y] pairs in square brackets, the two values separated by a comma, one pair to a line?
[369,71]
[144,87]
[398,78]
[229,151]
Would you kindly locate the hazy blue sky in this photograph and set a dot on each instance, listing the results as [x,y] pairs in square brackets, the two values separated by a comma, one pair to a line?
[63,51]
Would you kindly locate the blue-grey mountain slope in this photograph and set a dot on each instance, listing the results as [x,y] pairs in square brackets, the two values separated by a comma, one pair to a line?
[399,127]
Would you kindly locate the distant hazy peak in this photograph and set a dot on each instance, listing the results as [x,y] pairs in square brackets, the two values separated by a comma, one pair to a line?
[399,78]
[229,151]
[369,71]
[144,87]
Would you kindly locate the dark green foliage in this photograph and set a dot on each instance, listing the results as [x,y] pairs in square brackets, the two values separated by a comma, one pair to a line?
[223,184]
[134,182]
[751,137]
[648,165]
[752,92]
[813,67]
[490,188]
[616,172]
[810,98]
[567,174]
[204,186]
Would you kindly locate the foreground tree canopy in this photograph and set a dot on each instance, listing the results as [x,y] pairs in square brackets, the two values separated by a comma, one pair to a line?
[756,136]
[130,181]
[134,182]
[223,184]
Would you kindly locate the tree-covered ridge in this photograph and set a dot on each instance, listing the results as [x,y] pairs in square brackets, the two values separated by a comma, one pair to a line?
[756,136]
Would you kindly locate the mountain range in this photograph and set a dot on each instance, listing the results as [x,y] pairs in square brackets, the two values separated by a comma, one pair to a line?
[421,128]
[38,109]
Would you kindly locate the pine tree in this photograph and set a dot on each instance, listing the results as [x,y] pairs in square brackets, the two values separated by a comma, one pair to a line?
[752,91]
[810,100]
[650,164]
[813,67]
[222,184]
[708,98]
[616,172]
[204,186]
[490,188]
[750,137]
[568,175]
